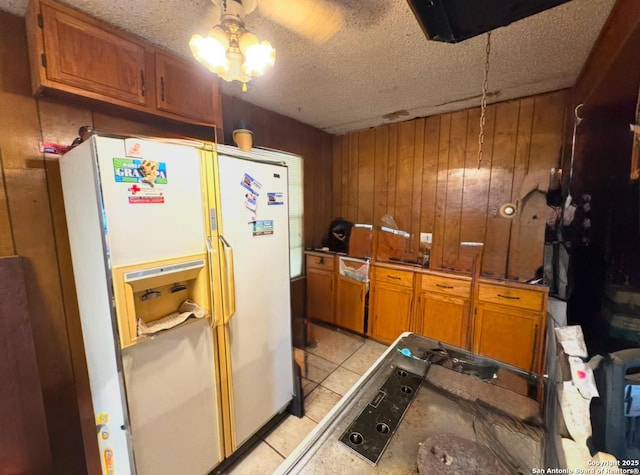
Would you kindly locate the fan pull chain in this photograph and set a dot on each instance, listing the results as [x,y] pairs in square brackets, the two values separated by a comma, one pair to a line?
[483,102]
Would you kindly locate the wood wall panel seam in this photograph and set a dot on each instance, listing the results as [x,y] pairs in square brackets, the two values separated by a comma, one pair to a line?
[6,232]
[392,169]
[416,199]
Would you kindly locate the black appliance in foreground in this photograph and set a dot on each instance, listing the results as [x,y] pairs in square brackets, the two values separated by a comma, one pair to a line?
[452,21]
[615,415]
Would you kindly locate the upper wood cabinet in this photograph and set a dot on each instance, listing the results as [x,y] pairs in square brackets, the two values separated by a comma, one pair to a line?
[72,53]
[186,89]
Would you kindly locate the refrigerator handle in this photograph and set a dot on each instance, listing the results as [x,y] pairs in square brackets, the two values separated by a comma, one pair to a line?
[228,284]
[210,251]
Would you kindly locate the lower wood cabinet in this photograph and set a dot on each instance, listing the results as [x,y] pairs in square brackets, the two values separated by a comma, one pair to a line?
[392,297]
[443,309]
[501,320]
[510,324]
[350,304]
[320,287]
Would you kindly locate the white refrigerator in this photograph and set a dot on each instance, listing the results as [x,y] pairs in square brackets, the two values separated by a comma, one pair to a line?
[154,224]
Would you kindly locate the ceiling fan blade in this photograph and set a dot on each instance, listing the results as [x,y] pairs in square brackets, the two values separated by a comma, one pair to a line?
[249,6]
[317,20]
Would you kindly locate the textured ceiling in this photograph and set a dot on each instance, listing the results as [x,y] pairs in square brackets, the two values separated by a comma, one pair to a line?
[380,61]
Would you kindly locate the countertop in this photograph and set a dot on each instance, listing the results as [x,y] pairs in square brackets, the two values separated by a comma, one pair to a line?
[409,267]
[447,402]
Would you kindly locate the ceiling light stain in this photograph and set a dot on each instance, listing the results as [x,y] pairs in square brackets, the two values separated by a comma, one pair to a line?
[396,114]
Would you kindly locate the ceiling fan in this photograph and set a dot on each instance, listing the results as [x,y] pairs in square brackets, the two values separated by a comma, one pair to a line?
[315,20]
[232,52]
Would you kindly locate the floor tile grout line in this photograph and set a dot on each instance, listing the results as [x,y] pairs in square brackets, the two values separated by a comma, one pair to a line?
[274,449]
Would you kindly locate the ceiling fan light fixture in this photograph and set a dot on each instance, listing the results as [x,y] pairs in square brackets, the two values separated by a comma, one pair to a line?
[231,51]
[258,59]
[211,51]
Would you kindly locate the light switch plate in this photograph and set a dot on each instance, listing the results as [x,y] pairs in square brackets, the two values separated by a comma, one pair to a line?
[426,238]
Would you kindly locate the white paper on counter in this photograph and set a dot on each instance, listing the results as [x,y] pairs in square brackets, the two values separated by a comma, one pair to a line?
[575,410]
[572,340]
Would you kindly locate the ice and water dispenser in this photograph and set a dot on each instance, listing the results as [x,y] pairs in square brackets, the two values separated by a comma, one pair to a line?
[154,295]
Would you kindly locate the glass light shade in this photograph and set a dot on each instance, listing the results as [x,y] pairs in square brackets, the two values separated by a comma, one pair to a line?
[259,58]
[235,72]
[247,40]
[233,53]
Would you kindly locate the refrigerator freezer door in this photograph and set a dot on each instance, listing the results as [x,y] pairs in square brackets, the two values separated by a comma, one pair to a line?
[144,222]
[83,211]
[254,222]
[173,402]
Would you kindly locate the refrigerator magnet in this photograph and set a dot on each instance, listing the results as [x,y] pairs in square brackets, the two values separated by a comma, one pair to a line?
[263,227]
[133,147]
[275,198]
[132,170]
[251,184]
[251,202]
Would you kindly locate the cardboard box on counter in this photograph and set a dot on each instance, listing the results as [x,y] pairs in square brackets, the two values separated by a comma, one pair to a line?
[380,243]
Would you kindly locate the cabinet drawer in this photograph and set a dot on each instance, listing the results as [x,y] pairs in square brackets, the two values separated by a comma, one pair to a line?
[446,285]
[513,297]
[320,262]
[393,276]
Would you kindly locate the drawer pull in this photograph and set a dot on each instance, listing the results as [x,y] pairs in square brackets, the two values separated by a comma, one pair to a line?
[321,260]
[394,277]
[443,286]
[508,297]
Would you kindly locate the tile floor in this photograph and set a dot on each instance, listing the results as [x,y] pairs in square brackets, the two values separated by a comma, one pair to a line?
[335,360]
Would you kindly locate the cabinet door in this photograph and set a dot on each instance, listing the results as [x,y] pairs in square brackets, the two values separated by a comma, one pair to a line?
[350,304]
[320,295]
[84,55]
[507,334]
[391,310]
[187,89]
[443,318]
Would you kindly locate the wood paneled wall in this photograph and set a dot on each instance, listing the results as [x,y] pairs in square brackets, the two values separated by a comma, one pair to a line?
[425,174]
[29,228]
[24,442]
